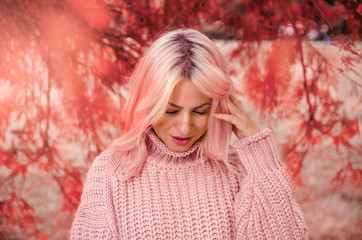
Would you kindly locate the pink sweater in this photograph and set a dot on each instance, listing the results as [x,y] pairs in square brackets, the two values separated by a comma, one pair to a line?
[179,197]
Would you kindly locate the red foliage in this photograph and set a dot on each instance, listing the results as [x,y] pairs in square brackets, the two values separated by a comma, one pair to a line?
[64,66]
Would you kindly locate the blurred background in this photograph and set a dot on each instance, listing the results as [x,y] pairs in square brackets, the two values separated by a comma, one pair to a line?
[64,68]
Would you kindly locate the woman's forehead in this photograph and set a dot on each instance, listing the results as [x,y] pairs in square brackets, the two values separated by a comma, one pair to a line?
[186,94]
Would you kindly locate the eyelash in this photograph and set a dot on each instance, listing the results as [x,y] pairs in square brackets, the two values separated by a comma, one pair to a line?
[200,113]
[171,112]
[197,112]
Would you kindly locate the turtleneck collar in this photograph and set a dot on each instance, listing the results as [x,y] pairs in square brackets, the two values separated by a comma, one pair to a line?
[164,156]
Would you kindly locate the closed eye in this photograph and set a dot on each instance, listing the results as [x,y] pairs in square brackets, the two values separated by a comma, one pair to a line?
[200,112]
[171,111]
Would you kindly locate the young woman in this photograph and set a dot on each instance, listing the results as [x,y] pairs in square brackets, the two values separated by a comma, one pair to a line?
[173,173]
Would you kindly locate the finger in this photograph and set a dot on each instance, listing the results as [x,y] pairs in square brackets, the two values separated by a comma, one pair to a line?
[233,100]
[237,103]
[227,117]
[236,109]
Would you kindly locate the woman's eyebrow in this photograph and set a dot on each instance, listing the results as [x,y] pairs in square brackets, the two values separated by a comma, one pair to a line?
[174,105]
[204,104]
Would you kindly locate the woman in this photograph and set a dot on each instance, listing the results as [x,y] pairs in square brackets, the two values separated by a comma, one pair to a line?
[173,173]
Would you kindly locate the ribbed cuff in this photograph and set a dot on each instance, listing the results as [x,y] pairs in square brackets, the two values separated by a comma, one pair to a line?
[257,153]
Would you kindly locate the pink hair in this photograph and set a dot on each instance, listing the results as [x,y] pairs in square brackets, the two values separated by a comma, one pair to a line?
[176,55]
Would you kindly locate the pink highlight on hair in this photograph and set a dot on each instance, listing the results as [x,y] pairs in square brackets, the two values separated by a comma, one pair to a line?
[176,55]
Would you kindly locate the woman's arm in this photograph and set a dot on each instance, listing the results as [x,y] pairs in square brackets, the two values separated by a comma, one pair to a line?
[265,207]
[95,216]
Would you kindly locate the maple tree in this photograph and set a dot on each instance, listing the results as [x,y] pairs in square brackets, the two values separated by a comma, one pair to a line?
[65,65]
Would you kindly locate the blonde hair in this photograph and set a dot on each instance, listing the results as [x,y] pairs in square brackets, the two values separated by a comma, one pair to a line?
[176,55]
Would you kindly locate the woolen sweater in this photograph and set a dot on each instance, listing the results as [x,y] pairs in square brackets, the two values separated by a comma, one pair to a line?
[178,196]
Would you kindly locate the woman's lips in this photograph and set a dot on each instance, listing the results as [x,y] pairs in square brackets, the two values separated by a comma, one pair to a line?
[181,141]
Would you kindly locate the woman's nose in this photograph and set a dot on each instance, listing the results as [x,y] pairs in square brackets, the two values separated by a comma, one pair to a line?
[184,124]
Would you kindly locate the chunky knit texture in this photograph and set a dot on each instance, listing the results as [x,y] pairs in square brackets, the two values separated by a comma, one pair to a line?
[179,197]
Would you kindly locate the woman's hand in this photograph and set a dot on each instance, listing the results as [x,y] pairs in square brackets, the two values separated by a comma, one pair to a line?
[243,125]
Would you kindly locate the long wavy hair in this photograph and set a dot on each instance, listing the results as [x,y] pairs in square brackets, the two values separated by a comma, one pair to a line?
[176,55]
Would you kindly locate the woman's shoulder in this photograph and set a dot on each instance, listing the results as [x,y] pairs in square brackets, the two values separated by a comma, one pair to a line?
[108,160]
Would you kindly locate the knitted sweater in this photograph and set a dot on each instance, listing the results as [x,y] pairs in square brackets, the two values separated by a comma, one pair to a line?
[178,197]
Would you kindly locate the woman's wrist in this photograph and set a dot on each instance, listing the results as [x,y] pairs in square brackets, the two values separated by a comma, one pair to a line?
[251,129]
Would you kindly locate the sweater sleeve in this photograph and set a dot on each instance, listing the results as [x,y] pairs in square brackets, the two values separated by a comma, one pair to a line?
[95,216]
[265,207]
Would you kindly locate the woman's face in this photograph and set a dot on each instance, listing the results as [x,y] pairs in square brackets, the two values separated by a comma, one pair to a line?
[186,117]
